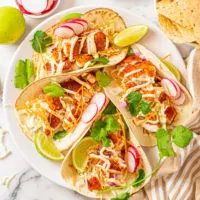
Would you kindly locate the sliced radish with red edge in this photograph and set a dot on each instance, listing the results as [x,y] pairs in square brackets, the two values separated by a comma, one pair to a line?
[89,113]
[36,6]
[132,163]
[100,100]
[64,32]
[171,88]
[82,21]
[76,26]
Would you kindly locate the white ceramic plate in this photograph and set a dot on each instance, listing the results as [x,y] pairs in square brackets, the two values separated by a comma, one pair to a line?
[154,40]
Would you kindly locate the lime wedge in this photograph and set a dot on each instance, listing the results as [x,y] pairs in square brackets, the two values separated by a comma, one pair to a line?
[173,69]
[70,16]
[46,148]
[130,35]
[79,153]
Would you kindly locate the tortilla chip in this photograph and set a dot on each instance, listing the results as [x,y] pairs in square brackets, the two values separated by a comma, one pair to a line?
[174,31]
[183,15]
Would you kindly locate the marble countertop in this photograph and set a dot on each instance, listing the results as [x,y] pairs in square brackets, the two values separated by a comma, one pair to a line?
[28,184]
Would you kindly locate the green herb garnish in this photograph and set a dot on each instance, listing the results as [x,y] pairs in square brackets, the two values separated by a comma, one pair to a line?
[20,81]
[24,73]
[140,178]
[136,104]
[110,109]
[54,90]
[130,51]
[163,143]
[101,59]
[29,70]
[103,78]
[59,135]
[102,128]
[181,136]
[123,196]
[41,41]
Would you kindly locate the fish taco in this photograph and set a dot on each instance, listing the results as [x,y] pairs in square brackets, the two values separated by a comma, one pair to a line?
[108,161]
[61,107]
[81,44]
[148,95]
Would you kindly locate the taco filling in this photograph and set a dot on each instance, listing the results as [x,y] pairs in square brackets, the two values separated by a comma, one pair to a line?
[57,109]
[112,160]
[86,47]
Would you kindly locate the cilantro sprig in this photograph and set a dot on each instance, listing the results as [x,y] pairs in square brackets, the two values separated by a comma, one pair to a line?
[123,196]
[54,90]
[102,128]
[181,136]
[110,109]
[136,104]
[41,41]
[103,78]
[130,51]
[164,144]
[59,135]
[101,59]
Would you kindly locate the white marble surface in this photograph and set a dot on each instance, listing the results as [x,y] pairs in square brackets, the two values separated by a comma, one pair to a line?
[28,184]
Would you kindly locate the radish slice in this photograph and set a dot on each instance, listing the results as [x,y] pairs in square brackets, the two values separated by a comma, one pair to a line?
[177,88]
[76,26]
[82,21]
[36,6]
[64,32]
[171,88]
[100,100]
[181,99]
[132,166]
[89,113]
[49,5]
[132,149]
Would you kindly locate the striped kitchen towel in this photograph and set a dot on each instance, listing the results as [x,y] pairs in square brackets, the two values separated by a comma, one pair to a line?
[178,178]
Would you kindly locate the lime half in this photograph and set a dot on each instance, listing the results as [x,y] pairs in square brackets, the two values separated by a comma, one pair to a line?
[70,16]
[173,69]
[46,148]
[79,153]
[130,35]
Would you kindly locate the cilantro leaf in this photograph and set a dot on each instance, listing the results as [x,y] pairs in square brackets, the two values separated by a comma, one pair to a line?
[59,135]
[181,136]
[103,78]
[134,97]
[130,51]
[163,143]
[106,142]
[110,109]
[54,90]
[111,124]
[98,131]
[145,107]
[40,41]
[134,109]
[140,178]
[101,129]
[101,59]
[123,196]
